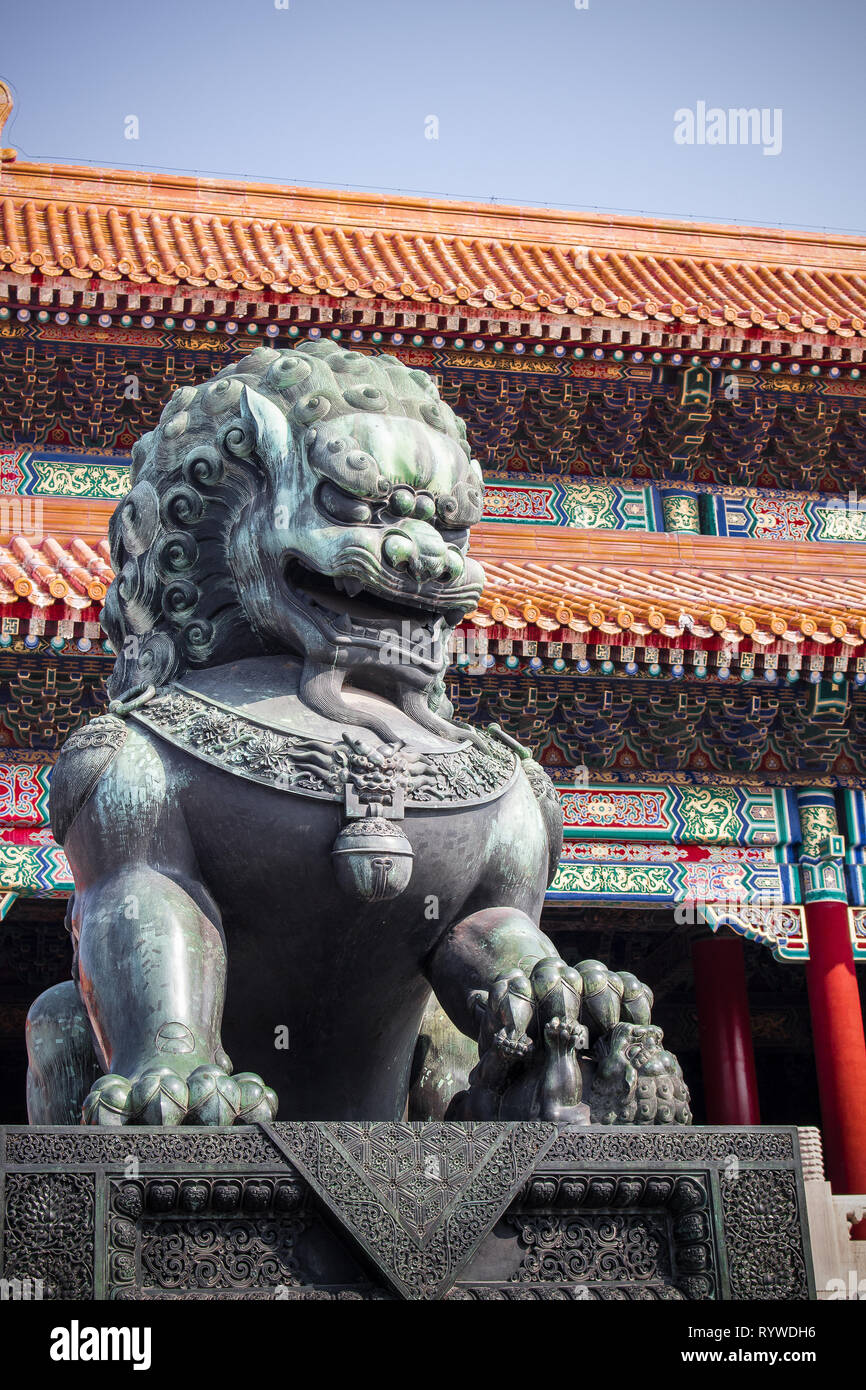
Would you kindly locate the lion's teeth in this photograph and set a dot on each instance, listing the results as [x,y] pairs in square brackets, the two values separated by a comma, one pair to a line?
[352,587]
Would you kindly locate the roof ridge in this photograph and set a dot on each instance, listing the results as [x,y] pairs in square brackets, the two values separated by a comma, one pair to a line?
[103,185]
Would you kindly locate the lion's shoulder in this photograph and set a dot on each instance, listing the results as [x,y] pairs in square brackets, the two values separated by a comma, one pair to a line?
[83,760]
[544,792]
[551,810]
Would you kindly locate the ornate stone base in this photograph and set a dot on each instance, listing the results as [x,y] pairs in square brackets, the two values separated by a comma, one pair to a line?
[413,1211]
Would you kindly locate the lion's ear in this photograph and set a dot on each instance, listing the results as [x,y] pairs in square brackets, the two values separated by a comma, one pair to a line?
[269,424]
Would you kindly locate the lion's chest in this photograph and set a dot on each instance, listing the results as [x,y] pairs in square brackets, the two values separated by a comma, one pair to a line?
[270,860]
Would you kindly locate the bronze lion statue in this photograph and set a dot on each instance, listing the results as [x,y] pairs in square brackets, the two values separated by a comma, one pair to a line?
[285,847]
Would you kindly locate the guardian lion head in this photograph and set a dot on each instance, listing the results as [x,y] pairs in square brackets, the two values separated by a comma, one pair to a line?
[315,501]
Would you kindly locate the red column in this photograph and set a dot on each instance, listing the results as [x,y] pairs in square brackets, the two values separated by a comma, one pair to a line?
[725,1031]
[840,1049]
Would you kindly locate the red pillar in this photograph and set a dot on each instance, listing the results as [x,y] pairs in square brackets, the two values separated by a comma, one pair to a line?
[840,1049]
[725,1031]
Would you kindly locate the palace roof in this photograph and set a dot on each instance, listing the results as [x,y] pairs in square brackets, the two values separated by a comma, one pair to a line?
[49,574]
[702,589]
[221,238]
[698,597]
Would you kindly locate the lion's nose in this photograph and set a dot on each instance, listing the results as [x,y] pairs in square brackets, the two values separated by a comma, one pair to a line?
[416,548]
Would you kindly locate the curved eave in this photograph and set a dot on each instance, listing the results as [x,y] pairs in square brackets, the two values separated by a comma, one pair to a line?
[89,224]
[702,590]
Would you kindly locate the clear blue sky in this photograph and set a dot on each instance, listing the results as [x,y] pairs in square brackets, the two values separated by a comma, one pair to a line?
[537,101]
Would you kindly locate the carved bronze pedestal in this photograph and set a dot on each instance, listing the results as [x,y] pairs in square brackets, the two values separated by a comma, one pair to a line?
[472,1211]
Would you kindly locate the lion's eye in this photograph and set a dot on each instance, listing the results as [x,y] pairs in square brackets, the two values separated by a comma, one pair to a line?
[342,507]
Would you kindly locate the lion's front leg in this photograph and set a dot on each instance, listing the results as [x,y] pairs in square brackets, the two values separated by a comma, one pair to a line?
[152,976]
[501,981]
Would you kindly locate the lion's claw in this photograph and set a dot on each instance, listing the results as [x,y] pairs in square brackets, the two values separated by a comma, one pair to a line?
[158,1097]
[214,1097]
[512,1044]
[563,1037]
[258,1101]
[161,1096]
[108,1102]
[559,1036]
[528,1041]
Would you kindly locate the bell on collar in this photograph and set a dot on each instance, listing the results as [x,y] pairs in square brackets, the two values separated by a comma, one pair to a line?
[372,858]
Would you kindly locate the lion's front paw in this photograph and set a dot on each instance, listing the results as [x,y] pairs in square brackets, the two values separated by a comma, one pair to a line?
[511,1045]
[218,1099]
[159,1095]
[561,1038]
[515,1013]
[504,1014]
[528,1040]
[108,1102]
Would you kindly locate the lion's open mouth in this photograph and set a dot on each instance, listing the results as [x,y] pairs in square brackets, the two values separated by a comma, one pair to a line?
[352,608]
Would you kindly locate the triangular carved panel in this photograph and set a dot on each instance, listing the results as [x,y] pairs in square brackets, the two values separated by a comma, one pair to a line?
[418,1198]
